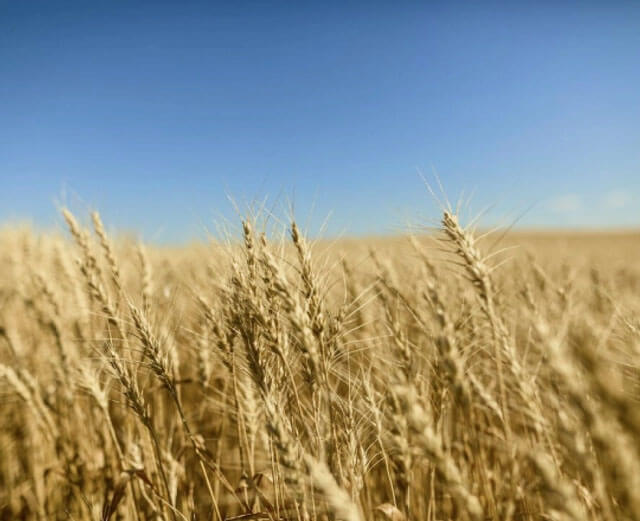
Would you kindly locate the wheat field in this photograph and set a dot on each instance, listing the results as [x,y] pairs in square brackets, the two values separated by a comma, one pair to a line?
[448,375]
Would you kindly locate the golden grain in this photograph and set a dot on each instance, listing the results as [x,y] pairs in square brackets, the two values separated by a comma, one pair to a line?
[402,378]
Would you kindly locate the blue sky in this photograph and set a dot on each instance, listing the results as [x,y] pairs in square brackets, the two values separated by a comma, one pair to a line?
[154,113]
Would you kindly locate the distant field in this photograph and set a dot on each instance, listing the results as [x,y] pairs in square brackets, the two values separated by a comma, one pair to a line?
[427,378]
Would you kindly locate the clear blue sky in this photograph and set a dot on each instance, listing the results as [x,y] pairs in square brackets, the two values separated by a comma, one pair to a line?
[155,112]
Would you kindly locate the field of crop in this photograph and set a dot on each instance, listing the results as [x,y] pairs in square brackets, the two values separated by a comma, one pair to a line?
[435,377]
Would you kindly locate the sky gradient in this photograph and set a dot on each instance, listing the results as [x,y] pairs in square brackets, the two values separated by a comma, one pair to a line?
[157,113]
